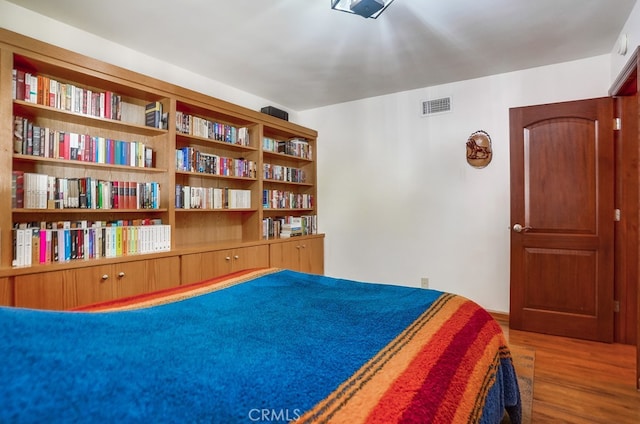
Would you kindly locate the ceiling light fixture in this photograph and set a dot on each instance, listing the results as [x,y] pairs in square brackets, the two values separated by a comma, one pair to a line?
[364,8]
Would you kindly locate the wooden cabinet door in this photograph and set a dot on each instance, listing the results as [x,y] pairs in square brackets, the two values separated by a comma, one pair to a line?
[6,292]
[202,266]
[217,262]
[90,285]
[284,255]
[250,257]
[221,262]
[163,273]
[311,255]
[45,290]
[305,255]
[190,271]
[130,279]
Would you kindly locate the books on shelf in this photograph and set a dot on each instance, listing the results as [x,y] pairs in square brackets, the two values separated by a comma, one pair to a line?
[41,191]
[17,189]
[289,226]
[283,173]
[43,90]
[202,127]
[188,197]
[64,241]
[190,159]
[33,140]
[153,115]
[283,199]
[296,146]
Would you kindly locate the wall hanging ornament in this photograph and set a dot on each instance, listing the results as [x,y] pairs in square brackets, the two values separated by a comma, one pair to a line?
[479,151]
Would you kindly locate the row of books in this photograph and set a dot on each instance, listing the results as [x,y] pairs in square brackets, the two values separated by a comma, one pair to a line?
[188,197]
[46,91]
[298,147]
[283,199]
[55,242]
[34,140]
[283,173]
[41,191]
[201,127]
[191,159]
[289,226]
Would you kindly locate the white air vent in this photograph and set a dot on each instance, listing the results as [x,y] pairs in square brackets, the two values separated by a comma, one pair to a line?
[436,106]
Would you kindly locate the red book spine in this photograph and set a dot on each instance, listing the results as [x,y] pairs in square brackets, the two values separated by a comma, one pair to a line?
[115,195]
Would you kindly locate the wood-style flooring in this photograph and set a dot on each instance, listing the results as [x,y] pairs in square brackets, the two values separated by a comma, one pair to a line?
[578,381]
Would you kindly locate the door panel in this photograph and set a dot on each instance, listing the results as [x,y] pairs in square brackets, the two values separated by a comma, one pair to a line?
[163,273]
[130,279]
[91,285]
[559,156]
[250,257]
[284,255]
[562,198]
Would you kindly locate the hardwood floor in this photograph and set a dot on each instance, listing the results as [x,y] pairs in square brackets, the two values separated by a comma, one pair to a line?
[578,381]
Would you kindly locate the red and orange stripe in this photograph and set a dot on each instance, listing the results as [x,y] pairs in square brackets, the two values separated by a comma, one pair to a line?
[438,370]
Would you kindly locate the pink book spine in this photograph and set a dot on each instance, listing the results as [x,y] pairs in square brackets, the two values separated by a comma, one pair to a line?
[43,246]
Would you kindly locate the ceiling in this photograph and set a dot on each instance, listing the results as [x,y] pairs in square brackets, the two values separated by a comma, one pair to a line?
[301,55]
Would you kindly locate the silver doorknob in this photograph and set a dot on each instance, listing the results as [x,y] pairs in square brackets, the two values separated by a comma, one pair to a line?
[519,228]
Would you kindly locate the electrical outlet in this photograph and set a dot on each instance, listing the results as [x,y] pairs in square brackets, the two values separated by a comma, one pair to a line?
[424,282]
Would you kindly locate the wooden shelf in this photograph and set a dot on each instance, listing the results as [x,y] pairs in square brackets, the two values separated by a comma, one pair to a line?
[205,175]
[85,164]
[88,211]
[223,210]
[33,109]
[201,141]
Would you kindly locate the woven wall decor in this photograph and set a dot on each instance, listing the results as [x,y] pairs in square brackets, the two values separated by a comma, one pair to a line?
[479,150]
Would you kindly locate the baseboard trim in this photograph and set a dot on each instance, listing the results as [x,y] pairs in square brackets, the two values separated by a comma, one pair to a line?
[500,316]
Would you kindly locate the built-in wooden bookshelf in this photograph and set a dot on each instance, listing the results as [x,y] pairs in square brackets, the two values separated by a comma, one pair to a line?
[212,175]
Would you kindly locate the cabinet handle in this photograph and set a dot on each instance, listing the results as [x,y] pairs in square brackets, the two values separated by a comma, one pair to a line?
[304,246]
[228,258]
[236,257]
[121,274]
[105,277]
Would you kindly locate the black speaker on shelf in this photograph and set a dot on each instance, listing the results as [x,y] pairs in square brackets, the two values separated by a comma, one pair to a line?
[270,110]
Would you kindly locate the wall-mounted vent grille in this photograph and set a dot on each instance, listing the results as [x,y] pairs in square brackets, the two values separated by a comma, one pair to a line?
[436,106]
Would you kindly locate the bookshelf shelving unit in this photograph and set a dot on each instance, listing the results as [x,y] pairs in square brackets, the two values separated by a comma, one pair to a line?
[210,153]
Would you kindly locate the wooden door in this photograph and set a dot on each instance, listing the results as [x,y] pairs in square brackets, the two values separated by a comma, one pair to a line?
[562,215]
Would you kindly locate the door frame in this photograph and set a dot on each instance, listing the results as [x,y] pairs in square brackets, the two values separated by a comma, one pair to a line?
[627,278]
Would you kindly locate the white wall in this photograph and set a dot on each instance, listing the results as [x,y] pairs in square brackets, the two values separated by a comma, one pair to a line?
[397,199]
[26,22]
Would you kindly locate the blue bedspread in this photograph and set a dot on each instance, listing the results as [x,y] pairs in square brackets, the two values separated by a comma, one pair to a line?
[266,349]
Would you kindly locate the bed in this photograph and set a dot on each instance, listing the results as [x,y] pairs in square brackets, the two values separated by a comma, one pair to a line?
[260,345]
